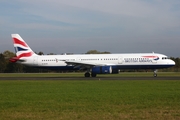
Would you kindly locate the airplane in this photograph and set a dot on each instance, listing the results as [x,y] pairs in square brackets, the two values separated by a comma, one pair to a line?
[93,63]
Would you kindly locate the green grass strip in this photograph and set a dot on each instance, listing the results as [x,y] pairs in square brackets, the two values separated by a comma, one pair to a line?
[74,99]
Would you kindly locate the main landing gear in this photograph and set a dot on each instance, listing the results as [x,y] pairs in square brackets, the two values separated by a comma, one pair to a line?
[87,74]
[155,73]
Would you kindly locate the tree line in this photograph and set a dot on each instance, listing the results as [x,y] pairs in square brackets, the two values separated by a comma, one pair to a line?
[7,67]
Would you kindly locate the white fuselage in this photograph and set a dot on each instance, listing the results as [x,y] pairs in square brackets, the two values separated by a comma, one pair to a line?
[120,61]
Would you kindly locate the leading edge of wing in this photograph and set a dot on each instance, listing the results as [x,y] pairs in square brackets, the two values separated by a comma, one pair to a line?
[88,64]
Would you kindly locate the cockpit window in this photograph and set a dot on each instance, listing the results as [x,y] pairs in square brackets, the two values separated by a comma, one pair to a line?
[164,58]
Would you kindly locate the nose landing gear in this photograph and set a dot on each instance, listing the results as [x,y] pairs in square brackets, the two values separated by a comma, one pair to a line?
[155,73]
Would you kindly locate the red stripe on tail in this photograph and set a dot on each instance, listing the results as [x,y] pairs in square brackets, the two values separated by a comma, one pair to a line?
[15,59]
[16,41]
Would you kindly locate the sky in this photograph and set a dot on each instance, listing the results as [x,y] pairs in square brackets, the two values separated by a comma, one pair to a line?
[77,26]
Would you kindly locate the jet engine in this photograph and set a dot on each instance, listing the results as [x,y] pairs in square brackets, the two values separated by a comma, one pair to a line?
[104,70]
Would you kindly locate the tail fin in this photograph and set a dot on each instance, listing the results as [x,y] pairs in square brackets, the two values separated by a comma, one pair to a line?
[21,48]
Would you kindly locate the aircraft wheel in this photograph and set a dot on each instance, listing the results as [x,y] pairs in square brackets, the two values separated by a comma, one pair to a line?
[87,74]
[93,74]
[155,75]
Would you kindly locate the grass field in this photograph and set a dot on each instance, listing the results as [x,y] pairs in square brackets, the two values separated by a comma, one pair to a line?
[89,99]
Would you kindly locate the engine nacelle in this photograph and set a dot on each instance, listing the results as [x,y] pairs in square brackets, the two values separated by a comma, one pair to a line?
[102,70]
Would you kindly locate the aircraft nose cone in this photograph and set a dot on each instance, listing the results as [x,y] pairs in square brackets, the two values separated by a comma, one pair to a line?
[172,62]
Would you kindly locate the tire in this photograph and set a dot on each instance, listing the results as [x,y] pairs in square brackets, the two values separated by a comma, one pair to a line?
[87,74]
[93,74]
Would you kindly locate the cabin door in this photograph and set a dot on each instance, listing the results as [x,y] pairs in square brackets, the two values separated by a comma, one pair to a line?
[120,60]
[78,59]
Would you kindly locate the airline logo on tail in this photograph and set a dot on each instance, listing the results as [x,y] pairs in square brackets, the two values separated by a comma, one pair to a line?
[21,48]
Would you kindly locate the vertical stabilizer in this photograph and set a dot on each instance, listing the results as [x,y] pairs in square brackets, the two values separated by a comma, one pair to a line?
[21,47]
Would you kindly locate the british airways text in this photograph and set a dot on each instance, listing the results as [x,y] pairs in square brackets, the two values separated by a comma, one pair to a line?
[137,60]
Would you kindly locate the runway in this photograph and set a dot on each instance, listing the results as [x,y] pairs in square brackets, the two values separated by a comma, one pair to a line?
[96,78]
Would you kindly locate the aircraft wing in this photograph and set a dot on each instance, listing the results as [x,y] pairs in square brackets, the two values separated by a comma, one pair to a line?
[85,64]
